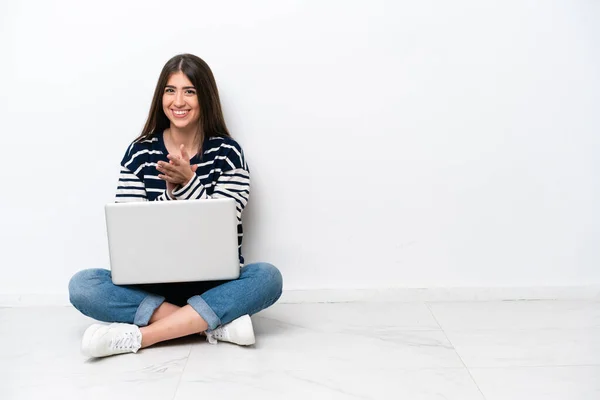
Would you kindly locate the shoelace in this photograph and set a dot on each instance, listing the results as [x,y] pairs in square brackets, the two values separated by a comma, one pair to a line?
[124,342]
[217,334]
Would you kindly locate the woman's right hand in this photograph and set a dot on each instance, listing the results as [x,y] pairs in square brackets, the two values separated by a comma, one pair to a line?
[173,186]
[177,171]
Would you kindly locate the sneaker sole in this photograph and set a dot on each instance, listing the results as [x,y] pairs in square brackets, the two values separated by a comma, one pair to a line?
[87,338]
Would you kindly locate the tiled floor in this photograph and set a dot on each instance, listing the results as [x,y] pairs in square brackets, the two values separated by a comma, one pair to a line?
[526,350]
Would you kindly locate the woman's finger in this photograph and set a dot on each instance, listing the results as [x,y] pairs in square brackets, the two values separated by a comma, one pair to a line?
[167,178]
[184,153]
[172,178]
[166,167]
[176,160]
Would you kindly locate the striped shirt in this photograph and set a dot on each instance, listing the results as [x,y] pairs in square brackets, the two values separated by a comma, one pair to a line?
[222,173]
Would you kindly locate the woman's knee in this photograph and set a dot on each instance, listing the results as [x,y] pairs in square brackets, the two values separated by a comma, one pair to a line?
[269,276]
[83,284]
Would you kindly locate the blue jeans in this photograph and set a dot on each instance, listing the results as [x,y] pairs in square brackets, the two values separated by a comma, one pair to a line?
[92,292]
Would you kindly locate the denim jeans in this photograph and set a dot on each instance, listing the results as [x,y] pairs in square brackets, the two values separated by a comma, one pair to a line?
[92,292]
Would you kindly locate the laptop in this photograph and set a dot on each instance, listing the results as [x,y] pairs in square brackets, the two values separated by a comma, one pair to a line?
[172,241]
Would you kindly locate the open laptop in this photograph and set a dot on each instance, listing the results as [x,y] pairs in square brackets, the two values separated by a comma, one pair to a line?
[172,241]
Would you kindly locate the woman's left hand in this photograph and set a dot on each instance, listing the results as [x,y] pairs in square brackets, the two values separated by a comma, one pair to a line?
[178,170]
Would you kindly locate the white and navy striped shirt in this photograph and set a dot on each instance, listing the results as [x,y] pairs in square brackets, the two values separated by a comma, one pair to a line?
[222,173]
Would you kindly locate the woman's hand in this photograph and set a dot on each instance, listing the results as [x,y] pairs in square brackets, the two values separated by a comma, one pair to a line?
[177,172]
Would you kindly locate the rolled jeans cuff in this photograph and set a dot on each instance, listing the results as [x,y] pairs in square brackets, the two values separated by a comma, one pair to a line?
[205,312]
[147,308]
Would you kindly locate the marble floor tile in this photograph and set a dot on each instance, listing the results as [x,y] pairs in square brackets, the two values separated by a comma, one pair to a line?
[533,383]
[148,385]
[513,350]
[332,384]
[284,345]
[517,315]
[47,341]
[527,347]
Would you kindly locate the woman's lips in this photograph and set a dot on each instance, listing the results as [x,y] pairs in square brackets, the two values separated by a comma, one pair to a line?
[180,113]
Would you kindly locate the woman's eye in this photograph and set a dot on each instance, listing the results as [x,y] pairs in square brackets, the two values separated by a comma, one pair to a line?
[189,91]
[169,90]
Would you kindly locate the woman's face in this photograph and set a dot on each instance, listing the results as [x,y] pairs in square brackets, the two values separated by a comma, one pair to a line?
[180,102]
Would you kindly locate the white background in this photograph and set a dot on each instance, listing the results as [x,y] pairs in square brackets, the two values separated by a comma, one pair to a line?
[391,143]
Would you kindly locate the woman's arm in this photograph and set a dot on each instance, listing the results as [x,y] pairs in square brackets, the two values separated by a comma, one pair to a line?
[131,188]
[233,181]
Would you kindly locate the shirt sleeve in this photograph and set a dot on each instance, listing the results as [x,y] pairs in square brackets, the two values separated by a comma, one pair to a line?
[131,188]
[232,180]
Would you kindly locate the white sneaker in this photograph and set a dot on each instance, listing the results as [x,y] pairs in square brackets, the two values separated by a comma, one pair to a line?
[106,340]
[238,331]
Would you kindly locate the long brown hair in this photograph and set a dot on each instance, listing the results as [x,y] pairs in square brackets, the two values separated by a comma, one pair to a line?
[198,72]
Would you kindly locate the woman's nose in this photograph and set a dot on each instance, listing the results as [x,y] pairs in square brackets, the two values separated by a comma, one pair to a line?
[179,99]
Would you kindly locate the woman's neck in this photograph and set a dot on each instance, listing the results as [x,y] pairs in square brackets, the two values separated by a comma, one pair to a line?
[187,137]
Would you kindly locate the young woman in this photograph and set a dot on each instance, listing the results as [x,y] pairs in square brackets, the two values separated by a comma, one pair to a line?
[184,152]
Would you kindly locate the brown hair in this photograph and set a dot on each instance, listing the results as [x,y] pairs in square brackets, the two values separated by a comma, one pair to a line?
[198,72]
